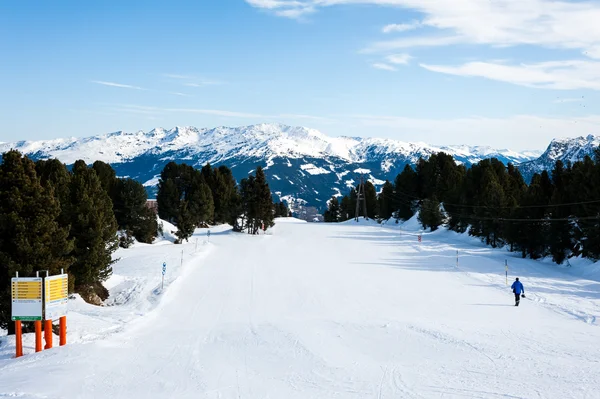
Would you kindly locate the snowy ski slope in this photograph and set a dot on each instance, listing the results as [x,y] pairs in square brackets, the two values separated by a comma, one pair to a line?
[324,311]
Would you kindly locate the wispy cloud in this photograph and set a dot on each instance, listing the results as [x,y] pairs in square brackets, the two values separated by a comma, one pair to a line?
[113,84]
[568,100]
[176,76]
[382,66]
[411,42]
[193,81]
[175,93]
[558,75]
[550,24]
[202,83]
[151,110]
[391,28]
[399,59]
[286,8]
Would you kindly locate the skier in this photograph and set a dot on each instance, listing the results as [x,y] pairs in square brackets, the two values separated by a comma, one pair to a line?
[518,289]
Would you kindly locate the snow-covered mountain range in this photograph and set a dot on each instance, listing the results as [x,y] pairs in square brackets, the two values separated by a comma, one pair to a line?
[566,150]
[303,165]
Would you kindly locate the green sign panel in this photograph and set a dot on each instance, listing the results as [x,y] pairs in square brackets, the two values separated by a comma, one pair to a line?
[26,318]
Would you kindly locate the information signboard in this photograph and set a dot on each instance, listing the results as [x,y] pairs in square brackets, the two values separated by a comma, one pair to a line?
[57,296]
[26,297]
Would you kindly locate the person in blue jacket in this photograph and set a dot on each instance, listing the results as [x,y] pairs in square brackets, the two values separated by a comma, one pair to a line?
[518,289]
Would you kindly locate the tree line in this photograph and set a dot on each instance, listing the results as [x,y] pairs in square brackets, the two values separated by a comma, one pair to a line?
[557,214]
[53,217]
[191,198]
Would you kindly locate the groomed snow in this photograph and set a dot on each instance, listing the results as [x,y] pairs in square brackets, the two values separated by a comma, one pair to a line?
[350,310]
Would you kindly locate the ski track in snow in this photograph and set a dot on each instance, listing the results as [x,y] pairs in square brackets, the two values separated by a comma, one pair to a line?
[324,311]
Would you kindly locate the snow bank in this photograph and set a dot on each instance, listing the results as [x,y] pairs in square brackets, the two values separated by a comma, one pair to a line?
[135,287]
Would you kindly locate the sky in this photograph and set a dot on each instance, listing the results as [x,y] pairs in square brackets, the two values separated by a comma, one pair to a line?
[504,73]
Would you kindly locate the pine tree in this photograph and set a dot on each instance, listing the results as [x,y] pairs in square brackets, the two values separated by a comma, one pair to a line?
[264,201]
[31,238]
[255,208]
[371,197]
[560,231]
[168,200]
[107,176]
[430,216]
[185,222]
[332,214]
[386,201]
[131,212]
[533,236]
[347,207]
[200,202]
[224,194]
[405,193]
[93,228]
[55,173]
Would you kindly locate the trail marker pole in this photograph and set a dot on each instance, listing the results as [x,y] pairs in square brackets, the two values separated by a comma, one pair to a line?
[457,258]
[63,331]
[181,258]
[38,329]
[164,270]
[48,334]
[38,335]
[506,270]
[19,338]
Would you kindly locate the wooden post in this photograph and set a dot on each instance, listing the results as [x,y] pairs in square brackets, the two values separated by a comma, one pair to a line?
[63,331]
[48,334]
[19,338]
[38,335]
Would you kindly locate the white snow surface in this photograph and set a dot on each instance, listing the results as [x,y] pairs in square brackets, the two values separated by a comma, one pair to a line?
[350,310]
[260,141]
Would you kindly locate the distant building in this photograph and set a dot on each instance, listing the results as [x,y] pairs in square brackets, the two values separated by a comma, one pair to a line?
[152,205]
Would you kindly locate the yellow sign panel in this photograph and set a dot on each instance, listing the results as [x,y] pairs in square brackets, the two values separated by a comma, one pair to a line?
[57,289]
[26,290]
[57,296]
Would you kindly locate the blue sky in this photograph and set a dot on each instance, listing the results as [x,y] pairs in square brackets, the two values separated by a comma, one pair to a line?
[502,73]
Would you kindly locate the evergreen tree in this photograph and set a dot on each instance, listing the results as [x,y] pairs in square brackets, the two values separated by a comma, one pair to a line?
[264,202]
[371,198]
[131,212]
[430,216]
[348,207]
[168,200]
[332,214]
[560,231]
[185,222]
[31,238]
[224,193]
[107,176]
[200,202]
[55,174]
[386,201]
[514,189]
[255,208]
[533,236]
[281,210]
[405,193]
[93,228]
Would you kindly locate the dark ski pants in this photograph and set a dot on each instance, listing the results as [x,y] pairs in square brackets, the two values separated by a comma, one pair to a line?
[517,299]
